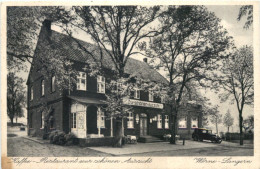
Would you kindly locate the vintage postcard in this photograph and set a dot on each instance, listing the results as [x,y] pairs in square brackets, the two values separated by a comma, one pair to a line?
[130,84]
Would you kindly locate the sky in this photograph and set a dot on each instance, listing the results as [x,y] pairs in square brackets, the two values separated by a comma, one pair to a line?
[228,16]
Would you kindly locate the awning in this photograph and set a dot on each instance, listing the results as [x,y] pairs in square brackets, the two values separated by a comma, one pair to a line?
[87,100]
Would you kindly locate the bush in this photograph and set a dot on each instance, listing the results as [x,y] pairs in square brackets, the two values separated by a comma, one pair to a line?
[60,138]
[70,139]
[57,137]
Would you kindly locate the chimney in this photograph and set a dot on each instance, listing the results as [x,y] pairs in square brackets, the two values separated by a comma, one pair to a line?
[145,60]
[47,26]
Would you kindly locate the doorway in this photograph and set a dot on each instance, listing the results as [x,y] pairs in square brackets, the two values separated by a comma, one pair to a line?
[143,124]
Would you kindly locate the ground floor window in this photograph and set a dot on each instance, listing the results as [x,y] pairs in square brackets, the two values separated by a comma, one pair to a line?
[183,122]
[130,122]
[75,109]
[100,118]
[159,121]
[194,122]
[74,120]
[166,122]
[42,120]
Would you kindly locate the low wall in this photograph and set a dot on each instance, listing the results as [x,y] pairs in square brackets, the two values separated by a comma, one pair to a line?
[236,136]
[91,142]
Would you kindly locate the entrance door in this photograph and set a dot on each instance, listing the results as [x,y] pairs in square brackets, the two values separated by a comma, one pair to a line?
[143,125]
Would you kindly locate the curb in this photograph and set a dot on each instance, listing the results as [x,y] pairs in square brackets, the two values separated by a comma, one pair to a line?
[35,140]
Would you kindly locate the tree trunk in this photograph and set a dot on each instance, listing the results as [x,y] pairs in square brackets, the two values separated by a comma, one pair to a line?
[118,133]
[241,127]
[12,121]
[228,129]
[16,120]
[217,127]
[173,127]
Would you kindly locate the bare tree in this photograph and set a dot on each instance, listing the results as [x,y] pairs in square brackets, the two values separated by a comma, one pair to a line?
[238,82]
[189,49]
[246,10]
[228,120]
[15,96]
[115,30]
[215,117]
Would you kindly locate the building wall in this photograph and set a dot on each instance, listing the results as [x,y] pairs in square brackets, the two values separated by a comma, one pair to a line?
[61,104]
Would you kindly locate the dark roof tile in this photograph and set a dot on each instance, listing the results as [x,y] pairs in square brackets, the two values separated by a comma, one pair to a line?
[70,49]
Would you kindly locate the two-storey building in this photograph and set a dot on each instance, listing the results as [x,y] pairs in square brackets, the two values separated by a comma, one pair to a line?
[79,111]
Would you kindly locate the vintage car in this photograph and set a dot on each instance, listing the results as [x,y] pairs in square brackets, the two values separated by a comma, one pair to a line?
[205,134]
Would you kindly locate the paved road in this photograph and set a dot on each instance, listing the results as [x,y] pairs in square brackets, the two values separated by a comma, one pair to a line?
[212,151]
[18,146]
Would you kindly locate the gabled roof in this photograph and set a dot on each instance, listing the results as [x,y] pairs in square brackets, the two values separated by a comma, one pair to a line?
[70,49]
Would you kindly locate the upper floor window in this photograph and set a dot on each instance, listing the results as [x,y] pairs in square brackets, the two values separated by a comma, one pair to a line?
[101,84]
[130,122]
[137,94]
[159,121]
[82,81]
[42,88]
[100,118]
[183,122]
[166,120]
[31,93]
[53,84]
[150,95]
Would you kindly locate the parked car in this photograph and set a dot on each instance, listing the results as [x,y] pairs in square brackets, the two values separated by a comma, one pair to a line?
[205,134]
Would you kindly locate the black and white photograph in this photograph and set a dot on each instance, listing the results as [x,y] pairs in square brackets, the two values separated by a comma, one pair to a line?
[99,82]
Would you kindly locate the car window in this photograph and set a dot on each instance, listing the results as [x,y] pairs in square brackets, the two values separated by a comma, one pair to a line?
[204,131]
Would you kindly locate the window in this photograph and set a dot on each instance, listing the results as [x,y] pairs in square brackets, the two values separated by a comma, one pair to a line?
[194,122]
[77,109]
[166,125]
[82,81]
[53,84]
[74,120]
[159,121]
[31,92]
[130,122]
[183,122]
[101,84]
[137,94]
[150,95]
[42,120]
[100,118]
[42,88]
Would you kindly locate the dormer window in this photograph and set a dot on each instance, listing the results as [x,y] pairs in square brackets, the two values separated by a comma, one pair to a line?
[101,84]
[82,81]
[151,96]
[137,94]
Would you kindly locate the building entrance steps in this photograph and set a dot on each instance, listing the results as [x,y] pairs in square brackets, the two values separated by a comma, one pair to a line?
[149,139]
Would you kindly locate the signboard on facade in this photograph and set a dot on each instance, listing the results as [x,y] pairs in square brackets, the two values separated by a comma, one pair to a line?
[133,102]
